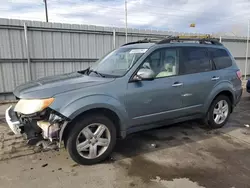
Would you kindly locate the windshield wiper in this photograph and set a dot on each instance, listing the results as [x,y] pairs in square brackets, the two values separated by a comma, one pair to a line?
[84,71]
[96,73]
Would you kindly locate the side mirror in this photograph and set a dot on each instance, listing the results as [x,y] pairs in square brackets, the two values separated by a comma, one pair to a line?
[144,74]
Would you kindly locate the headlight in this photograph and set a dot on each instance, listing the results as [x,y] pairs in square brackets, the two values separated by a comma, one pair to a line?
[30,106]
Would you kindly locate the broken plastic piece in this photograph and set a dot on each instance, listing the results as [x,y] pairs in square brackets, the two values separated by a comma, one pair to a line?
[46,145]
[50,131]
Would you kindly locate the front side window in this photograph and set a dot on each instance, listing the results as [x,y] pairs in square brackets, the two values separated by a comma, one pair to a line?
[220,58]
[163,63]
[195,60]
[117,63]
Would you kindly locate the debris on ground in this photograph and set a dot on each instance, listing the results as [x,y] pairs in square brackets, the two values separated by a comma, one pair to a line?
[44,165]
[46,145]
[10,133]
[246,132]
[112,159]
[75,165]
[153,146]
[246,125]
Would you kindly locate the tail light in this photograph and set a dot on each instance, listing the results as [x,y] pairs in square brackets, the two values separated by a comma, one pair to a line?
[239,75]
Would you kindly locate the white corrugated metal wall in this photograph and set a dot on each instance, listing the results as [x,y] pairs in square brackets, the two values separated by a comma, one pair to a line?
[238,50]
[56,48]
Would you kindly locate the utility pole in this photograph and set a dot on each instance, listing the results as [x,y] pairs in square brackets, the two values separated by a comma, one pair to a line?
[246,64]
[126,20]
[46,10]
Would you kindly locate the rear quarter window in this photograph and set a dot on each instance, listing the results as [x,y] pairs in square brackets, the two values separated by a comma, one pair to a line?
[221,58]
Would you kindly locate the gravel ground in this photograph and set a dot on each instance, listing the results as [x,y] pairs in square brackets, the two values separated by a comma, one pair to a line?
[181,155]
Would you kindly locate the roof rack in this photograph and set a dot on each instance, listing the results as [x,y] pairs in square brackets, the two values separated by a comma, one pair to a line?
[203,39]
[148,40]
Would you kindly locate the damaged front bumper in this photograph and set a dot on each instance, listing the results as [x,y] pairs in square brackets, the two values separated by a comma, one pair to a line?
[41,126]
[13,121]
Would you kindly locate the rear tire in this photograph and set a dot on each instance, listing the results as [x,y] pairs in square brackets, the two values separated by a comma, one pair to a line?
[91,140]
[219,112]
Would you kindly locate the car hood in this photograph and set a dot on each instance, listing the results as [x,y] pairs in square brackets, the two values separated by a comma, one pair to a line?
[49,86]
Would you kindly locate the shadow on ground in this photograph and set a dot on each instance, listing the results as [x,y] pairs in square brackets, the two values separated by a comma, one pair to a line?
[232,166]
[177,134]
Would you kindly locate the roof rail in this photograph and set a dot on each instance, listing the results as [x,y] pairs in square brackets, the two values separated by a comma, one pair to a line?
[136,42]
[203,39]
[148,40]
[194,36]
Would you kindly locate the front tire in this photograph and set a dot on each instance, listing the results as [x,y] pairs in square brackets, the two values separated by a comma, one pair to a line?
[219,112]
[91,140]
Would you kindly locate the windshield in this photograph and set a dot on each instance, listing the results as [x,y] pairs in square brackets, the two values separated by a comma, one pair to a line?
[117,62]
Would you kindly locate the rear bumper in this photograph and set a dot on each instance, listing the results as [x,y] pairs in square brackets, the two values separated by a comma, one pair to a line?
[12,121]
[238,94]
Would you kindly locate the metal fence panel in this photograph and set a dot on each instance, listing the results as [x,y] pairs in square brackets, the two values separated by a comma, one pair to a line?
[8,77]
[5,50]
[237,48]
[241,64]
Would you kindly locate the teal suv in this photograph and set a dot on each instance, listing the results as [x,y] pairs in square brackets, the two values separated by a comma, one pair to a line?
[141,85]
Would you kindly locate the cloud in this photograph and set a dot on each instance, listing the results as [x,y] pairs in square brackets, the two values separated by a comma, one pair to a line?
[225,16]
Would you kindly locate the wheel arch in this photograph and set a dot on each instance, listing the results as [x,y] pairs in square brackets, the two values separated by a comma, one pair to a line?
[226,92]
[102,104]
[104,111]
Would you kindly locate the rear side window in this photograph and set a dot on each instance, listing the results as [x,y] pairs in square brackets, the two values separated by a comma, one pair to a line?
[221,58]
[195,60]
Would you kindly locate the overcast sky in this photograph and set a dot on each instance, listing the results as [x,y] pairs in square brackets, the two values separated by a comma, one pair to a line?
[210,16]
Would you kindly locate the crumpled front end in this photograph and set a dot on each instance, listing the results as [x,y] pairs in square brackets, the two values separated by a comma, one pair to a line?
[12,120]
[44,125]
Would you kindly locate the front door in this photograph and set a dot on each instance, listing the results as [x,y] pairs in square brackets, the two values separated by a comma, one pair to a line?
[158,99]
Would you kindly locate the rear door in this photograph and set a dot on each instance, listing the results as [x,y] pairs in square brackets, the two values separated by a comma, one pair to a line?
[198,76]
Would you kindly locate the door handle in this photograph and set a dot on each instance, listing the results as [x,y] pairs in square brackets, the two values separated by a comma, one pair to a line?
[177,84]
[215,78]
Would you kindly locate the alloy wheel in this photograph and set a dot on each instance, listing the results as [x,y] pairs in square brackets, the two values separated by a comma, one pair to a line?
[220,112]
[93,141]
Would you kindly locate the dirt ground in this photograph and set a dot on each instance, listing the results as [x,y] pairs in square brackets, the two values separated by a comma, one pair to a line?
[186,155]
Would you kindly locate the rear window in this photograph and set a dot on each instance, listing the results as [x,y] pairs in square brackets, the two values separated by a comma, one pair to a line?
[196,60]
[221,58]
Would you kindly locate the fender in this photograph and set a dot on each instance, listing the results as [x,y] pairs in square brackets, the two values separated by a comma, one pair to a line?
[220,87]
[76,107]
